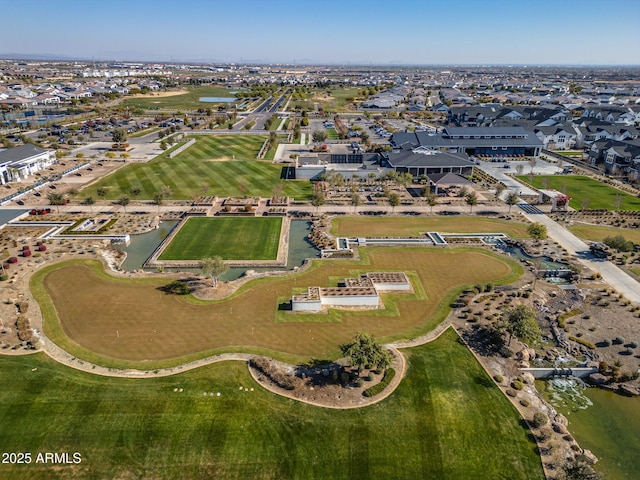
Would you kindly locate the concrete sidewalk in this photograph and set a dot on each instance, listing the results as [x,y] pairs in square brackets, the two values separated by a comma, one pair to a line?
[614,276]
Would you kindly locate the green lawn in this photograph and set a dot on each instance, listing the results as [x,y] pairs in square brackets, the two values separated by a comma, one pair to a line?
[332,134]
[207,237]
[399,226]
[184,102]
[598,194]
[635,271]
[225,164]
[446,421]
[597,233]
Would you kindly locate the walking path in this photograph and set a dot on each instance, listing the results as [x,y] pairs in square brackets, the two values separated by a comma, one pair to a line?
[614,276]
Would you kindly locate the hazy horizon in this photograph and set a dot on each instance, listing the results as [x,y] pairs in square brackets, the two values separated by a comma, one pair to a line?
[357,33]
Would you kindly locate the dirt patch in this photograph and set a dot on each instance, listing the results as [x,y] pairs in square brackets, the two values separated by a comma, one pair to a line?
[159,94]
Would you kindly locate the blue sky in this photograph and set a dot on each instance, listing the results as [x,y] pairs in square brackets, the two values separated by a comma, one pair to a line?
[587,32]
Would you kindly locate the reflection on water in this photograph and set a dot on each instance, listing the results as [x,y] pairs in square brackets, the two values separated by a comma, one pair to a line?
[143,245]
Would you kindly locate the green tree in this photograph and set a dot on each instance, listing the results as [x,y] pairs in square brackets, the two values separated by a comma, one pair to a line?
[213,268]
[618,242]
[394,201]
[356,201]
[365,352]
[472,200]
[499,189]
[56,199]
[511,200]
[431,199]
[537,231]
[119,135]
[317,199]
[319,136]
[521,322]
[123,201]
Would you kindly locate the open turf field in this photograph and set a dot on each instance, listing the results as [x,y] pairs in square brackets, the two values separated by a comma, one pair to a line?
[128,322]
[445,421]
[600,195]
[225,164]
[398,226]
[202,237]
[185,101]
[597,233]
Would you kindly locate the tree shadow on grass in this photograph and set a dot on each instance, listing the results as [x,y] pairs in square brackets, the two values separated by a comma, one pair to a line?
[177,287]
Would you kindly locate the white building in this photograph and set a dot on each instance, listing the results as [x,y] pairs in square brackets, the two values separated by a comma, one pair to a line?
[363,291]
[21,162]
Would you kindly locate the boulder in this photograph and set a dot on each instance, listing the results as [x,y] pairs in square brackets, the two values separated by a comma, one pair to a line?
[628,390]
[559,428]
[523,355]
[528,378]
[598,379]
[561,419]
[587,457]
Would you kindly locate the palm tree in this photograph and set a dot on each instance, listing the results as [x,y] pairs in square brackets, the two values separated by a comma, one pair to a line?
[56,199]
[158,197]
[90,201]
[124,201]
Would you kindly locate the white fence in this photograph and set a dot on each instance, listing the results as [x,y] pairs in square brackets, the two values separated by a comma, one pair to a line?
[182,148]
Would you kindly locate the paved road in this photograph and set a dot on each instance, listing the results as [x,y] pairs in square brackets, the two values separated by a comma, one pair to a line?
[614,276]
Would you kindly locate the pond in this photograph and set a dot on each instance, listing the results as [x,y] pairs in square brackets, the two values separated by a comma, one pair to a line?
[606,423]
[217,99]
[143,245]
[546,263]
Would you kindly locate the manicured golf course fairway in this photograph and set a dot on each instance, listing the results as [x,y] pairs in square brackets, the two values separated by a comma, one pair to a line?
[446,420]
[131,323]
[222,165]
[398,226]
[579,188]
[232,238]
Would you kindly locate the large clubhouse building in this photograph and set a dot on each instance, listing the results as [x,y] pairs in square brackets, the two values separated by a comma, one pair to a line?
[21,162]
[473,141]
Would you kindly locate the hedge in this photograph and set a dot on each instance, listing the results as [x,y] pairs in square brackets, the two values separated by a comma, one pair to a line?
[384,383]
[586,343]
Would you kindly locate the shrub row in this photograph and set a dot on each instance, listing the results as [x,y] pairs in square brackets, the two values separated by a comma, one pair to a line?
[264,365]
[586,343]
[565,316]
[384,383]
[24,328]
